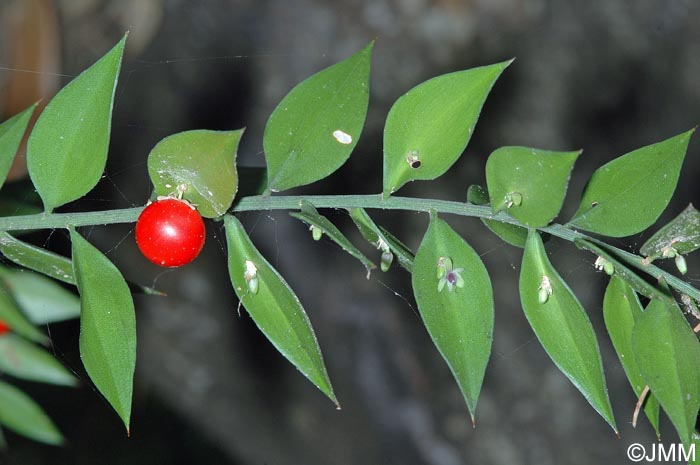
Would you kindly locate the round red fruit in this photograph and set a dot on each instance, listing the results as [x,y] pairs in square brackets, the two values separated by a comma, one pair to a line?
[170,232]
[4,329]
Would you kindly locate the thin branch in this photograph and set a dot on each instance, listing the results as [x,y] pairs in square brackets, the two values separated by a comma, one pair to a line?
[267,202]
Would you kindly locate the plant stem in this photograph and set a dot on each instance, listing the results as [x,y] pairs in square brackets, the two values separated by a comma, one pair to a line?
[63,220]
[256,203]
[266,202]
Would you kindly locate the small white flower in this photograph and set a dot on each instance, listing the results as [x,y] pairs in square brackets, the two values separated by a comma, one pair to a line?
[448,276]
[669,252]
[382,245]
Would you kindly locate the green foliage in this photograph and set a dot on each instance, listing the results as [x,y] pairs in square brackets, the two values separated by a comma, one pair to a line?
[24,360]
[11,133]
[429,127]
[627,195]
[15,319]
[562,326]
[203,162]
[314,129]
[274,307]
[381,238]
[680,236]
[41,299]
[511,233]
[36,258]
[67,150]
[314,219]
[621,309]
[23,416]
[529,183]
[455,299]
[311,134]
[622,272]
[668,355]
[107,325]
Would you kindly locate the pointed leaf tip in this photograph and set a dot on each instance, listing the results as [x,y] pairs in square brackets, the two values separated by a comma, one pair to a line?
[11,134]
[628,194]
[429,127]
[67,149]
[315,128]
[562,326]
[274,307]
[455,299]
[107,325]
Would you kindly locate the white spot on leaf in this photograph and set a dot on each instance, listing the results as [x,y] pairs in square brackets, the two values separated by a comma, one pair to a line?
[342,137]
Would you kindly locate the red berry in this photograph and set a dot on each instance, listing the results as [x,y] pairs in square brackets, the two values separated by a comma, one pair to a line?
[170,232]
[4,329]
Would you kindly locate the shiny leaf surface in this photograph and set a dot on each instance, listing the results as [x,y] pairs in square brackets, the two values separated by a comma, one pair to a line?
[202,161]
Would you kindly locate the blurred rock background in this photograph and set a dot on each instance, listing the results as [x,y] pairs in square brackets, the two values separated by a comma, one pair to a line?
[607,76]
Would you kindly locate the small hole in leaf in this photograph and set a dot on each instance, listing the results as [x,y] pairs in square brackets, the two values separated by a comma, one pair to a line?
[413,160]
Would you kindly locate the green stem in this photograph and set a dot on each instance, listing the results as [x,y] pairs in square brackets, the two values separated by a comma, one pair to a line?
[266,202]
[63,220]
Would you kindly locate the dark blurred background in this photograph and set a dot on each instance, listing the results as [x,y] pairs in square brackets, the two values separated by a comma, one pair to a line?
[607,76]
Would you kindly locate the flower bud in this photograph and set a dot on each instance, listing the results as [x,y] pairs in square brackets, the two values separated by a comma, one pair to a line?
[609,268]
[386,260]
[513,199]
[681,264]
[253,285]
